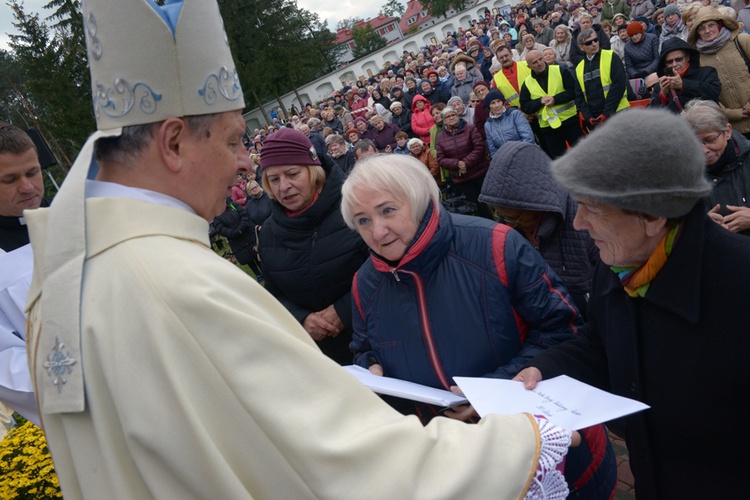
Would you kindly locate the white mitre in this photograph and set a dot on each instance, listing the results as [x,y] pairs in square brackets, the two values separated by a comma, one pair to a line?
[148,63]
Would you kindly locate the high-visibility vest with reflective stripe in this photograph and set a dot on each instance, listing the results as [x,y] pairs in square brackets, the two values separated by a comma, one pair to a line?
[554,87]
[604,74]
[504,86]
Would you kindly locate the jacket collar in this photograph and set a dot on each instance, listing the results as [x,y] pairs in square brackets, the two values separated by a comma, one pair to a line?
[431,242]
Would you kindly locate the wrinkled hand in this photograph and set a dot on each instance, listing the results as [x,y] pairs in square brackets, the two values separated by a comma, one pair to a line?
[330,315]
[376,369]
[461,412]
[529,376]
[461,167]
[738,220]
[548,100]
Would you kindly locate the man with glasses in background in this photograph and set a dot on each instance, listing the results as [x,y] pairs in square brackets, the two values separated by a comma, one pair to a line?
[682,78]
[601,89]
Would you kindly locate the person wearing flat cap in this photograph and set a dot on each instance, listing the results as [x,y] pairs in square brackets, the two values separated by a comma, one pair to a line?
[667,316]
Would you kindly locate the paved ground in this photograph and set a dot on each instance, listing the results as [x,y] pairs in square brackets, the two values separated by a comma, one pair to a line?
[624,476]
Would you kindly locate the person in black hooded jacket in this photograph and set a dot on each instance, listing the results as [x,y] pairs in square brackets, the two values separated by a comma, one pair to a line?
[308,254]
[524,195]
[689,80]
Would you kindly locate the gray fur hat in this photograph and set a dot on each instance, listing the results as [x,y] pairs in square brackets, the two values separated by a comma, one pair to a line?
[642,160]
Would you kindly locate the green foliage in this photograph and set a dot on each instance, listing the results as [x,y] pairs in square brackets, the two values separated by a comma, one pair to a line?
[393,8]
[366,40]
[440,7]
[47,77]
[277,46]
[348,23]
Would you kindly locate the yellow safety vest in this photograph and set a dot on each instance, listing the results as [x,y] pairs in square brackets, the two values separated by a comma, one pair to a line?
[551,117]
[605,70]
[504,86]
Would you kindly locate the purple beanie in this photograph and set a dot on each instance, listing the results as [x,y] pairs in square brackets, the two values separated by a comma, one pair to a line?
[287,147]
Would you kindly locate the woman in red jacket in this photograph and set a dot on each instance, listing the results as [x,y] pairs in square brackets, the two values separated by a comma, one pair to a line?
[421,120]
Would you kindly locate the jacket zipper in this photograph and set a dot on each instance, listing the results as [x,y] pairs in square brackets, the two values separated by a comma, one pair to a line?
[426,330]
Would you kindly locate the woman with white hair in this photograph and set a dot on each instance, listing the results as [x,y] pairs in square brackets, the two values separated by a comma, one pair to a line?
[727,165]
[561,45]
[446,295]
[465,112]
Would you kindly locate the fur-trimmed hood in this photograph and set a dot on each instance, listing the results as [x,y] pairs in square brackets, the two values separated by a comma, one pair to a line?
[470,63]
[710,14]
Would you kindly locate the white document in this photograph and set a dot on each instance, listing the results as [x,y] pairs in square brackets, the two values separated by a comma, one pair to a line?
[403,389]
[564,401]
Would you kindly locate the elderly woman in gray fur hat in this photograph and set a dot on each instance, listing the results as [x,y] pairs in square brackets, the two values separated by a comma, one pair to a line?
[668,316]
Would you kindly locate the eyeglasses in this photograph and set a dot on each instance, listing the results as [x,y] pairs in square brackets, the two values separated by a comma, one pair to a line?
[473,100]
[710,25]
[510,222]
[450,115]
[590,42]
[670,62]
[707,142]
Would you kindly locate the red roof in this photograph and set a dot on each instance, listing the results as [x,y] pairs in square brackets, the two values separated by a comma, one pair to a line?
[413,8]
[344,35]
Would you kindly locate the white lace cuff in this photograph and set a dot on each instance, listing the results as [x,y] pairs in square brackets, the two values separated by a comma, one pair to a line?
[549,482]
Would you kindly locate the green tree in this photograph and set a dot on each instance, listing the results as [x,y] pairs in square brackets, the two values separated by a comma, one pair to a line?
[393,8]
[50,85]
[277,46]
[347,23]
[366,40]
[438,8]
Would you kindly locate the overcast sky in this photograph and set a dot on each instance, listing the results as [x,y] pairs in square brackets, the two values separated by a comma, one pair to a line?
[331,10]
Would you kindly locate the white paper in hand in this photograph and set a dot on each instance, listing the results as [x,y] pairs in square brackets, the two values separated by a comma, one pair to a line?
[564,401]
[403,389]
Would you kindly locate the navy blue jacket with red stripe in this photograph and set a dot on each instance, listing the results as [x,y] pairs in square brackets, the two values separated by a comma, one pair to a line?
[469,298]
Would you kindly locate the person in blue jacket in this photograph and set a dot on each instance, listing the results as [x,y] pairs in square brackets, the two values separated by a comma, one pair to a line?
[445,295]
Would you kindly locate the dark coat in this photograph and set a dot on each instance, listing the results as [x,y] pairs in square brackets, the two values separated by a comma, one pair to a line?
[386,137]
[593,103]
[465,143]
[697,82]
[259,209]
[13,234]
[403,121]
[520,178]
[731,179]
[309,261]
[641,58]
[346,161]
[239,230]
[682,349]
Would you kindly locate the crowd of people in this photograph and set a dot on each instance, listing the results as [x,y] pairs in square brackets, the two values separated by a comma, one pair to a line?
[605,243]
[562,67]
